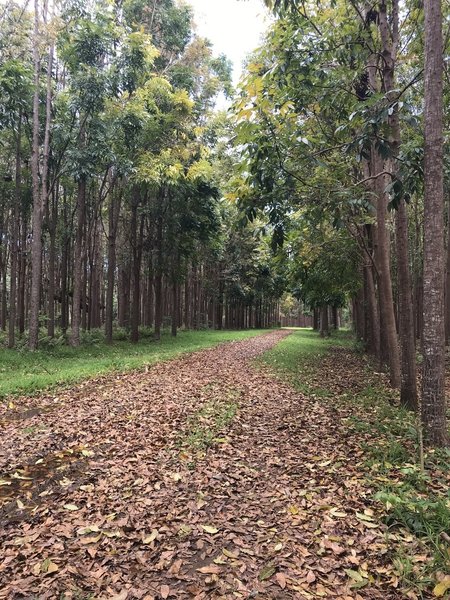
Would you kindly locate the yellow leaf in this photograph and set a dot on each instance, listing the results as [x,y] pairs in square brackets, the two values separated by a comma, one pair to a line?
[89,529]
[91,539]
[209,529]
[71,507]
[150,538]
[229,554]
[48,567]
[278,547]
[441,588]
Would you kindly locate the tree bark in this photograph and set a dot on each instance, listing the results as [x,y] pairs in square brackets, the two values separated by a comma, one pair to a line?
[15,241]
[433,394]
[159,268]
[36,242]
[113,218]
[78,263]
[324,326]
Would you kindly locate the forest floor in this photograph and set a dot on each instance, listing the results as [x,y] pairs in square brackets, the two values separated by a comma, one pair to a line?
[57,363]
[266,468]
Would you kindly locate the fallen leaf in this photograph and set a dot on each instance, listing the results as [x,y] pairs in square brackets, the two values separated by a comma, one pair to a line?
[209,529]
[150,538]
[209,570]
[267,572]
[310,577]
[441,588]
[164,591]
[281,580]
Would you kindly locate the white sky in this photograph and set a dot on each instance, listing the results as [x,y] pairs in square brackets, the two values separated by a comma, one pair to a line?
[233,26]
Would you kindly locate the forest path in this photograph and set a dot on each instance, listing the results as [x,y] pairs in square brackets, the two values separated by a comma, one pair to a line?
[203,478]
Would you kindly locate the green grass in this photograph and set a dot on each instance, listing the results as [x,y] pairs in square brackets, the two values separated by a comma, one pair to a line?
[416,504]
[205,426]
[296,357]
[25,373]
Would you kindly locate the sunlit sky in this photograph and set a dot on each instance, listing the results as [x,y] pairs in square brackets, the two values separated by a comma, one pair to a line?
[233,26]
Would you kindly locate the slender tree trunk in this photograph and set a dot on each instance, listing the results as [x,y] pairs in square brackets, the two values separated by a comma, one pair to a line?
[408,391]
[315,319]
[51,266]
[78,263]
[159,268]
[324,326]
[372,307]
[15,241]
[137,257]
[64,259]
[22,273]
[175,307]
[36,242]
[113,218]
[433,394]
[386,304]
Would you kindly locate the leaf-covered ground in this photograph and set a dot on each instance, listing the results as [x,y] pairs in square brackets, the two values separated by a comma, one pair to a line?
[205,477]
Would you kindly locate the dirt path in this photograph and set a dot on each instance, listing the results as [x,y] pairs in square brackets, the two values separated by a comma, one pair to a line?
[202,478]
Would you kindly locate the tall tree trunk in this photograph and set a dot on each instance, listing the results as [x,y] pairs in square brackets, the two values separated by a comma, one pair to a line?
[315,319]
[386,304]
[175,306]
[433,394]
[78,263]
[51,265]
[372,307]
[36,242]
[324,326]
[113,218]
[159,268]
[447,278]
[15,241]
[408,386]
[64,259]
[136,244]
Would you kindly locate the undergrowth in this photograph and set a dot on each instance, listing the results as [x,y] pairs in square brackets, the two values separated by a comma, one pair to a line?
[415,503]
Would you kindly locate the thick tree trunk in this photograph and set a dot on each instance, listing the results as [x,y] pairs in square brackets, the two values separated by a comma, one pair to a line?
[447,279]
[433,393]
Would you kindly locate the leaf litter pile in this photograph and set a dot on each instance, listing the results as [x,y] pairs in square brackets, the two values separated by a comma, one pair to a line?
[204,477]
